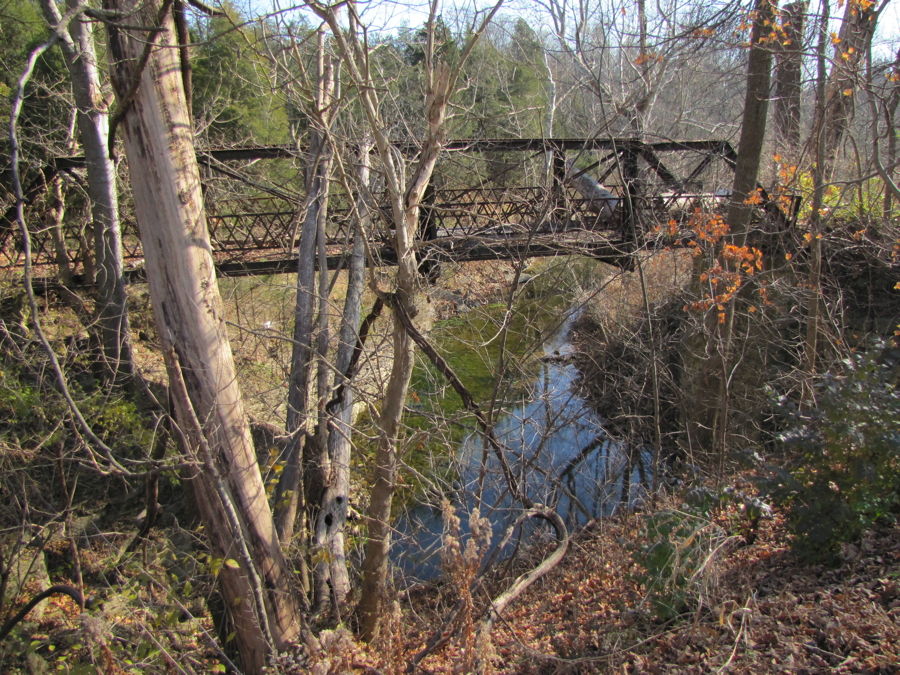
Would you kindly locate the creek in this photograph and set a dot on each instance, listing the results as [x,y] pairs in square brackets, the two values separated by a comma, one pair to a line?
[556,447]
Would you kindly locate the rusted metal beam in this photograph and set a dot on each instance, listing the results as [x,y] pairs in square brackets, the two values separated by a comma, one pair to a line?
[460,144]
[448,249]
[612,253]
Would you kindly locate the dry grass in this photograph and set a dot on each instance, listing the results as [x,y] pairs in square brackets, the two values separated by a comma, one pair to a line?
[621,303]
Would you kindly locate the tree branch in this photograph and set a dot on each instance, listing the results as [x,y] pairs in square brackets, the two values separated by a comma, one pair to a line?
[468,401]
[502,601]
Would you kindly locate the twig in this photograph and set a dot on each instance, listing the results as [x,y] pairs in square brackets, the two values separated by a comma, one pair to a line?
[181,400]
[745,612]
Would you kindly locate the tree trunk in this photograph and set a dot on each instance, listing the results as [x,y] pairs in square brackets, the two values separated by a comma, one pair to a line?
[716,414]
[56,214]
[788,82]
[406,219]
[890,115]
[753,124]
[834,110]
[290,493]
[820,156]
[853,42]
[93,127]
[331,572]
[378,517]
[190,321]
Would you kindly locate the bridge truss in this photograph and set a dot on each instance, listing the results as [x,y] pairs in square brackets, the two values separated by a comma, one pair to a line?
[495,198]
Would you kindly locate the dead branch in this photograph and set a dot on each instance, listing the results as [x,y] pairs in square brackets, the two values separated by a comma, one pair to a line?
[468,401]
[502,601]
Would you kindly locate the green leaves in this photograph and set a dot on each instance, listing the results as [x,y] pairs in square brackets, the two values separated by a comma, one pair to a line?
[845,474]
[678,547]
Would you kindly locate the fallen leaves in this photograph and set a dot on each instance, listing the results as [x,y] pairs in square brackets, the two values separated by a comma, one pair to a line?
[771,614]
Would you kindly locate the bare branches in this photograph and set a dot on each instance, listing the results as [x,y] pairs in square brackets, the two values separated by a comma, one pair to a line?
[206,9]
[502,601]
[468,401]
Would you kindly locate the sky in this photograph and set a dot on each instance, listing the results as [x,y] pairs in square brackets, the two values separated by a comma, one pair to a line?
[390,15]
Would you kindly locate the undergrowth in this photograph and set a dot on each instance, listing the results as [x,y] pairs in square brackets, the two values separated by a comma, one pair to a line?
[843,471]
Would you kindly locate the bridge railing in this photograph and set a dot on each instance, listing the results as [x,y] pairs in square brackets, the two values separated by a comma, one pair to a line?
[260,227]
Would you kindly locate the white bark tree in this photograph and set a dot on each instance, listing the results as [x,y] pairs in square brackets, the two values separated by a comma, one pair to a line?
[331,579]
[255,580]
[93,126]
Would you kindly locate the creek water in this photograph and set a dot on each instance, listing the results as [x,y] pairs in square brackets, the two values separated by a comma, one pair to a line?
[557,449]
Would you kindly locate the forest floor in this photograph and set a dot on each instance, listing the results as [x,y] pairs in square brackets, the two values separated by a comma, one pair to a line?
[751,608]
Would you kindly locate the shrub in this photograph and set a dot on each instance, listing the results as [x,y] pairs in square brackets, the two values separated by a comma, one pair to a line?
[845,471]
[678,547]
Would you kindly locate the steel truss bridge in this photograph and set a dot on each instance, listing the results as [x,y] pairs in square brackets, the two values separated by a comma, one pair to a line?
[647,184]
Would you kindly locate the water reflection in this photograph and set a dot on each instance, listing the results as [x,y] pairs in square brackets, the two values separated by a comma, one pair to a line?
[559,452]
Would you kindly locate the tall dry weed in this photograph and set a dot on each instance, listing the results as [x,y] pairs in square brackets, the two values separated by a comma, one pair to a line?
[461,563]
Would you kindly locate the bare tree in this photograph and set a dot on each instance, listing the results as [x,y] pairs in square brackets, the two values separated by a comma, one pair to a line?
[835,93]
[310,328]
[93,125]
[405,187]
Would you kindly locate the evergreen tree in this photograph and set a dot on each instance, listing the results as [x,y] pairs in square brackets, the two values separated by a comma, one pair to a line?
[233,83]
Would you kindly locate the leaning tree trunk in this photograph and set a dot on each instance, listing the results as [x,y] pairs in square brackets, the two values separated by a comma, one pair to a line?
[93,127]
[853,43]
[190,321]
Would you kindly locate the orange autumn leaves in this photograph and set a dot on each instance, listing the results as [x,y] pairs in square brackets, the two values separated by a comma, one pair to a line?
[730,266]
